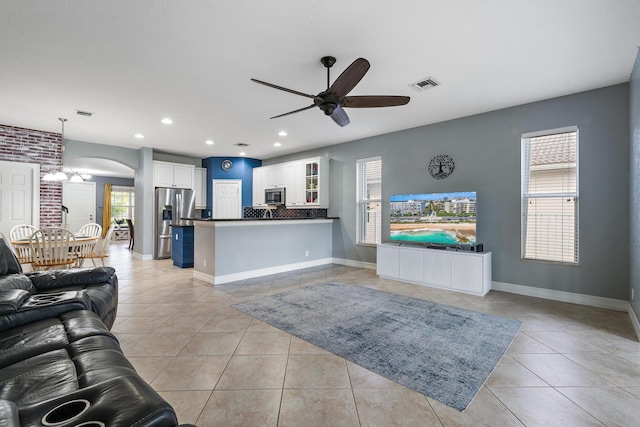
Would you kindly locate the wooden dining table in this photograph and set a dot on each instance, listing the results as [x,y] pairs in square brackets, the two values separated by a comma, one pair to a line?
[79,242]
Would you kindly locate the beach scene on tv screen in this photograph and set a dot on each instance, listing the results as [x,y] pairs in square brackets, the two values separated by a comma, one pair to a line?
[437,218]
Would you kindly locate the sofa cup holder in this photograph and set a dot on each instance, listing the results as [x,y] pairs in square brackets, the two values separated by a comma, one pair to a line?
[66,412]
[41,300]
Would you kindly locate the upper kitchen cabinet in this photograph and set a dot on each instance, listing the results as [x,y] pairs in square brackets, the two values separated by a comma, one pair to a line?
[200,187]
[316,182]
[173,175]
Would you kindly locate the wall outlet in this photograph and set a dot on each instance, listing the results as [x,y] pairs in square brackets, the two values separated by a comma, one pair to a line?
[306,253]
[204,262]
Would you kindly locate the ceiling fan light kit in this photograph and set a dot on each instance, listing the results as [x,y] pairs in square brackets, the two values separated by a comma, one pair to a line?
[332,101]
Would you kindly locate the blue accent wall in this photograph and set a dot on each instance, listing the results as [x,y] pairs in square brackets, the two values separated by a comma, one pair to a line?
[242,169]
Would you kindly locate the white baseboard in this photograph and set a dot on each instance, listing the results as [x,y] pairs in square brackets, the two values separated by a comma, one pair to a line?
[145,257]
[226,278]
[634,321]
[353,263]
[589,300]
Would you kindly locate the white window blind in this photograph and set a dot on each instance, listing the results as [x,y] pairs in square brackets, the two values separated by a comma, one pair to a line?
[550,196]
[369,200]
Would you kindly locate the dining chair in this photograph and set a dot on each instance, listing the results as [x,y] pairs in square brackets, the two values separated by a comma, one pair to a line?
[84,247]
[101,249]
[23,233]
[52,248]
[131,240]
[92,229]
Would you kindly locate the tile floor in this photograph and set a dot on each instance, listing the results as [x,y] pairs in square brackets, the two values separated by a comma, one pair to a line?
[569,366]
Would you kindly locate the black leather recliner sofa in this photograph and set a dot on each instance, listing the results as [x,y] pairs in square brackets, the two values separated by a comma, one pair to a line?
[37,295]
[59,363]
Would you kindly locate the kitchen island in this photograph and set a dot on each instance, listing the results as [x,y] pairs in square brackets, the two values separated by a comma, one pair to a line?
[230,250]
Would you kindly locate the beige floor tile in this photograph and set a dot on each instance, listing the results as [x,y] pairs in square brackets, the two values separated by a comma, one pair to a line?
[159,344]
[363,378]
[510,373]
[635,391]
[631,357]
[390,407]
[563,342]
[523,343]
[187,404]
[543,406]
[191,373]
[241,408]
[300,346]
[485,410]
[259,326]
[212,344]
[236,322]
[254,372]
[318,408]
[316,371]
[610,367]
[150,367]
[276,342]
[557,370]
[610,405]
[182,323]
[139,325]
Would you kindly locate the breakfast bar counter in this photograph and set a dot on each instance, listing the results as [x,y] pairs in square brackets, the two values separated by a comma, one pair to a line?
[230,250]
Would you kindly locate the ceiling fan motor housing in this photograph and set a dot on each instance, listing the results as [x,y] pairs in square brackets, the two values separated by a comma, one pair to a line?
[327,102]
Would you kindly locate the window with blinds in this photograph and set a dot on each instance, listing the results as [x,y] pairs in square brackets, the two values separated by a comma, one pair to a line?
[550,196]
[369,201]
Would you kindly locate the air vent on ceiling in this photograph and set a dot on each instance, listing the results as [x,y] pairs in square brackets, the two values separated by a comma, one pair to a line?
[241,144]
[424,84]
[84,113]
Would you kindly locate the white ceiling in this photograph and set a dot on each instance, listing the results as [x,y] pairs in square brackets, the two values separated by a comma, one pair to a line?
[134,62]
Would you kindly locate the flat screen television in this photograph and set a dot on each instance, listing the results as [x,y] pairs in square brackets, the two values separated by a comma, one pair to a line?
[436,219]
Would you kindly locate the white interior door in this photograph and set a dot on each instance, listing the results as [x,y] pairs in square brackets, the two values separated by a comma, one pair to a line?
[19,195]
[227,198]
[80,199]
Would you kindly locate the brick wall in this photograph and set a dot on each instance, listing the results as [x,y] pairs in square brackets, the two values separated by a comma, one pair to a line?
[44,148]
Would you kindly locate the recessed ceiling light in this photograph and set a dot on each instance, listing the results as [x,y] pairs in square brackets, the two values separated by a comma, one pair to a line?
[282,133]
[208,142]
[277,144]
[167,121]
[242,153]
[138,135]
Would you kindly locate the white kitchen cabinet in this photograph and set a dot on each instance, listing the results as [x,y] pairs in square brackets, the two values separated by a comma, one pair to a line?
[468,272]
[173,175]
[200,187]
[295,195]
[259,180]
[316,182]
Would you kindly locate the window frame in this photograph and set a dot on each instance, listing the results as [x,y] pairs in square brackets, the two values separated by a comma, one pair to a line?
[362,201]
[130,206]
[526,196]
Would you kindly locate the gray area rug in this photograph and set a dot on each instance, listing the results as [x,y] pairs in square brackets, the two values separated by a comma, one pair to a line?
[443,352]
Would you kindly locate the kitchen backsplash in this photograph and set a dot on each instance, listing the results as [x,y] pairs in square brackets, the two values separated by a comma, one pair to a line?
[282,212]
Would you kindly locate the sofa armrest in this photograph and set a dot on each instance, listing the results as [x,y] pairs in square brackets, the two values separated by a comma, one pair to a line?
[11,300]
[121,401]
[45,306]
[56,279]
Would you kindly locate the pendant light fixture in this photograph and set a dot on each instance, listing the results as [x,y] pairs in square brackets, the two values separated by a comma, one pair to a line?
[58,176]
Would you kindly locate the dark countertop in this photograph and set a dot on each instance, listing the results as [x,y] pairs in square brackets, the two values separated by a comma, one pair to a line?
[264,219]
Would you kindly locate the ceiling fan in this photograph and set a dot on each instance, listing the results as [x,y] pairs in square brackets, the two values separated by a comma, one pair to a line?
[334,99]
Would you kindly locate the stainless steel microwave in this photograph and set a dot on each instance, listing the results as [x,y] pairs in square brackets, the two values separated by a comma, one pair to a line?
[274,196]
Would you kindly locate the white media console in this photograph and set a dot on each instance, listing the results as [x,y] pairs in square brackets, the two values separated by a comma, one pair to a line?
[461,271]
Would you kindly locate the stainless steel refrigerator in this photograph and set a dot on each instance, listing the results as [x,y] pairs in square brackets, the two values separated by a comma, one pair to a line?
[172,206]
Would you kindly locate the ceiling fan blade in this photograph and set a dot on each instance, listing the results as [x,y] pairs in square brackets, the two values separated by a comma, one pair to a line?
[340,117]
[349,78]
[293,112]
[374,101]
[295,92]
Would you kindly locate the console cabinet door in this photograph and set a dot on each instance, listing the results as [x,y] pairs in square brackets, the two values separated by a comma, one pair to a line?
[467,273]
[388,262]
[437,268]
[411,268]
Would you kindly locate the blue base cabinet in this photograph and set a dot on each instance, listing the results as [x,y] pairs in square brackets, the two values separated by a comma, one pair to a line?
[182,246]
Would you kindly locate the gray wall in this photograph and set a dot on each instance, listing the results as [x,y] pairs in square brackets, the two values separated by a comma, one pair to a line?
[635,186]
[486,150]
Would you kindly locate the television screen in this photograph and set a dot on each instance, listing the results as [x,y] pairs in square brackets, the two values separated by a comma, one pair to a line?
[437,218]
